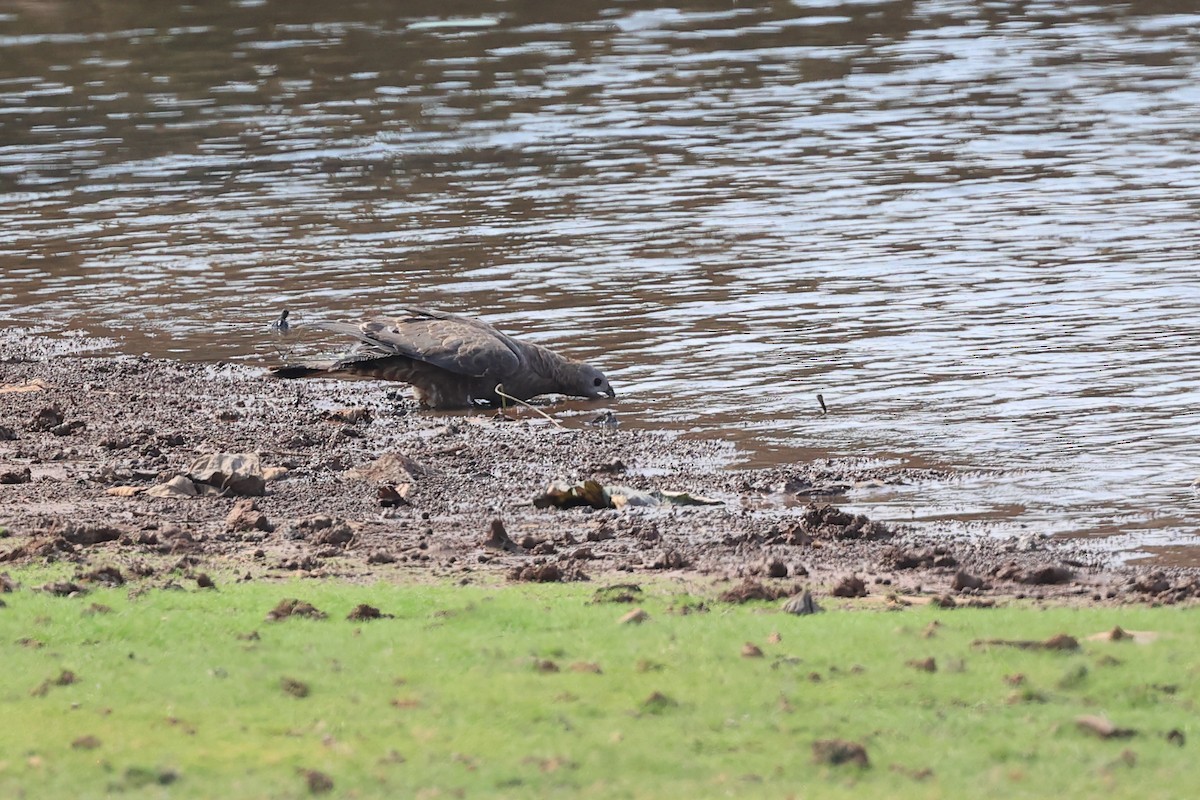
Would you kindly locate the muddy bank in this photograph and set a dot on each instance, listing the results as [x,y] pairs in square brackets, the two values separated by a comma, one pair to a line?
[132,467]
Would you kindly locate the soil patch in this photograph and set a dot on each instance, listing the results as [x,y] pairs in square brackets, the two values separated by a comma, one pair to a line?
[132,461]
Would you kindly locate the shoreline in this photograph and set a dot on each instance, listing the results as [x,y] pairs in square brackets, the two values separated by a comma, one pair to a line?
[359,484]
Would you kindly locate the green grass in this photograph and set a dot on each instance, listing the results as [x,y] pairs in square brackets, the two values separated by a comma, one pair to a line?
[446,700]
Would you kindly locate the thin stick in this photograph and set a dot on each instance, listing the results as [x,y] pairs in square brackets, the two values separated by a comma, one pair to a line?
[500,391]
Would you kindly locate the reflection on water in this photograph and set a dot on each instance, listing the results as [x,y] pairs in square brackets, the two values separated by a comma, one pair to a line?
[971,227]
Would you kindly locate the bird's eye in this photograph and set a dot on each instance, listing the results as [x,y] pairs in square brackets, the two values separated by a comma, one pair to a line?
[597,381]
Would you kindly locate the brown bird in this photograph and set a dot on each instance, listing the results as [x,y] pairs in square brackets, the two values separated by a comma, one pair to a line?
[453,361]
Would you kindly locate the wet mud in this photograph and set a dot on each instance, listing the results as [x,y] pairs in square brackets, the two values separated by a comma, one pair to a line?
[155,471]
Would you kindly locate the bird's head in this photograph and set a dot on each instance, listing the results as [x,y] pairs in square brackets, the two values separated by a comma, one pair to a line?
[590,382]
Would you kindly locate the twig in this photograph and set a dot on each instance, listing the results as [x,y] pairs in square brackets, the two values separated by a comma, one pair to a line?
[500,391]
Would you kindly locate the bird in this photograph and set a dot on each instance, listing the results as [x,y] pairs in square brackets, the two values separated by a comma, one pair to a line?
[281,329]
[281,325]
[453,361]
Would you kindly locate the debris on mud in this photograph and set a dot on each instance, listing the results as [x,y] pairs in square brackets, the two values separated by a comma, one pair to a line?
[830,522]
[590,492]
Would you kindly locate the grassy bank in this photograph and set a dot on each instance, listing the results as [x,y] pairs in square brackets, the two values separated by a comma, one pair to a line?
[528,691]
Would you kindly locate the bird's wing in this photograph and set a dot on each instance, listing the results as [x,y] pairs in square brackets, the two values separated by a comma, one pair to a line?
[456,344]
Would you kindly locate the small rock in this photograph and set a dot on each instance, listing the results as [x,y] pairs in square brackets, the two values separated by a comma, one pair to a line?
[776,568]
[68,428]
[751,650]
[924,664]
[85,743]
[245,516]
[391,468]
[802,604]
[668,559]
[498,539]
[234,473]
[390,496]
[851,586]
[964,580]
[274,473]
[47,418]
[15,476]
[89,534]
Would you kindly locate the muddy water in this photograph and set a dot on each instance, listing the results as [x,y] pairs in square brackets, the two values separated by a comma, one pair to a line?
[972,227]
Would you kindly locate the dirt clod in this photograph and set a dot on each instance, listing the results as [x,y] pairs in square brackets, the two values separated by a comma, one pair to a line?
[318,782]
[294,687]
[965,580]
[294,608]
[749,590]
[751,650]
[838,751]
[363,612]
[850,586]
[15,476]
[46,418]
[245,516]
